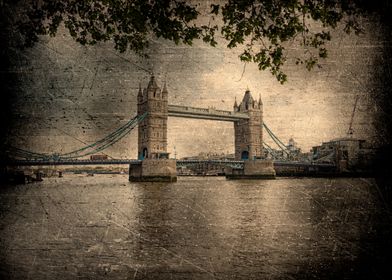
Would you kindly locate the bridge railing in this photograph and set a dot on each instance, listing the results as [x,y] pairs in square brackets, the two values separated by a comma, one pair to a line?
[206,111]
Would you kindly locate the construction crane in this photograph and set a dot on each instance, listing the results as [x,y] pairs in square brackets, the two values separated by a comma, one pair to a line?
[350,130]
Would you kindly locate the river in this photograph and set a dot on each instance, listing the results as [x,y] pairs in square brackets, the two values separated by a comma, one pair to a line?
[104,227]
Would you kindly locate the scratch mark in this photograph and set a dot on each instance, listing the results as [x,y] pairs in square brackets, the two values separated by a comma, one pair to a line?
[134,275]
[43,207]
[189,207]
[188,261]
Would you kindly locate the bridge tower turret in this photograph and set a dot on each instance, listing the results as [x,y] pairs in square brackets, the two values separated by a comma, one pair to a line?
[152,131]
[249,133]
[235,106]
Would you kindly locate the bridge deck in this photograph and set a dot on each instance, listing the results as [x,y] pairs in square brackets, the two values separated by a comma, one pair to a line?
[134,161]
[206,114]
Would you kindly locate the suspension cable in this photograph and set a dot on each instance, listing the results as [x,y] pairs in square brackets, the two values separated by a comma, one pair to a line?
[95,147]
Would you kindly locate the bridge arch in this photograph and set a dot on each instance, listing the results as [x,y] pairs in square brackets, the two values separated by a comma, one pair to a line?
[143,154]
[244,155]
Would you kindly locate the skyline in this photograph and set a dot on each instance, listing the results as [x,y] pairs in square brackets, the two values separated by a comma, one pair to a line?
[71,94]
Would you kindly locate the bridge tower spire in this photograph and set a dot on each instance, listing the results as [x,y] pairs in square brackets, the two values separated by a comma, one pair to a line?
[260,102]
[235,106]
[140,95]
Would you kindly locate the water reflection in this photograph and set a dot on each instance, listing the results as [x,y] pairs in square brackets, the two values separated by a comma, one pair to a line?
[197,228]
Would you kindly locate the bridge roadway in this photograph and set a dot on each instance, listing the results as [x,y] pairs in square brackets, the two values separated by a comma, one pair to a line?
[194,113]
[134,161]
[106,162]
[206,114]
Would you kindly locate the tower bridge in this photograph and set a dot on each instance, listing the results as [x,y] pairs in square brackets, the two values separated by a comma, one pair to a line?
[155,164]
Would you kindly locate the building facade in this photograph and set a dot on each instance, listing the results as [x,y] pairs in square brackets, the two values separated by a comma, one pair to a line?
[348,154]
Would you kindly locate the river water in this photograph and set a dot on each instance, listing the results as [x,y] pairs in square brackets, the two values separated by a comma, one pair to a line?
[104,227]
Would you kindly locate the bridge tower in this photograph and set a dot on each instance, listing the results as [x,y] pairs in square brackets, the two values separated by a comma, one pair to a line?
[155,164]
[249,142]
[152,131]
[249,132]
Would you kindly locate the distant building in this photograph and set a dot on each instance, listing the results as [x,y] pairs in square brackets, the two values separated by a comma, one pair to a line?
[349,154]
[291,153]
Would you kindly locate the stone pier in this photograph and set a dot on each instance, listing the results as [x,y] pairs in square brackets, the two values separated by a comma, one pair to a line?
[253,169]
[153,170]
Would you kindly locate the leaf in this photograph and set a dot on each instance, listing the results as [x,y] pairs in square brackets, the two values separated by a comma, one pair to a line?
[215,9]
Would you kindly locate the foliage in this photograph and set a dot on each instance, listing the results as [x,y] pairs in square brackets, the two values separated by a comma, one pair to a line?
[261,27]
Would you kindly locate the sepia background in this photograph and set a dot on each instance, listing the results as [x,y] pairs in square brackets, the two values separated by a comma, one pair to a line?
[66,95]
[58,95]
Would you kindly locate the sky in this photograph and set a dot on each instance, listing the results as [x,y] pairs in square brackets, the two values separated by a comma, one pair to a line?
[70,95]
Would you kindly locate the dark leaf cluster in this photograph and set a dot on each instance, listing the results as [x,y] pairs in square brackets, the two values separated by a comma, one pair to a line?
[261,27]
[265,26]
[129,24]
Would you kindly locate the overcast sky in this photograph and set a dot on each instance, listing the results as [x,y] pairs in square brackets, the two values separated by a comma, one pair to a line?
[70,94]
